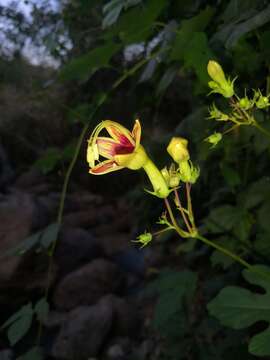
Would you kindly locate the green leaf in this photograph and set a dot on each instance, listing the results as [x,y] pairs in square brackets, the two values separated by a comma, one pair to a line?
[112,11]
[238,308]
[49,235]
[230,175]
[247,22]
[19,324]
[256,193]
[137,24]
[172,287]
[86,65]
[187,30]
[166,80]
[34,353]
[223,218]
[48,161]
[42,309]
[24,246]
[197,54]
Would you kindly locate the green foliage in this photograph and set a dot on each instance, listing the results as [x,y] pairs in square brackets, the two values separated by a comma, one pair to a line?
[175,290]
[19,324]
[239,308]
[40,240]
[85,66]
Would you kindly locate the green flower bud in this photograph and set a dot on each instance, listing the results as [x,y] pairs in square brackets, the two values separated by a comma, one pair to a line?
[171,176]
[188,172]
[214,139]
[219,83]
[144,239]
[262,102]
[216,114]
[178,150]
[245,103]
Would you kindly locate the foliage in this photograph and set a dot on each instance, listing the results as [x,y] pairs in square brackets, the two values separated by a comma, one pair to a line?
[167,85]
[238,308]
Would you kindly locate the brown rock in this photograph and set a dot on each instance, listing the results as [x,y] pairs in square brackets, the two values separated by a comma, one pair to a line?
[88,284]
[84,332]
[16,214]
[78,242]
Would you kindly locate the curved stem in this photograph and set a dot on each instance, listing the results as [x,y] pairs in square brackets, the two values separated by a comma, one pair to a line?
[178,202]
[115,85]
[262,129]
[177,228]
[232,256]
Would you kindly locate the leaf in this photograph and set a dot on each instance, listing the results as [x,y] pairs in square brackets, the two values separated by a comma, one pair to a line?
[19,324]
[223,218]
[48,161]
[112,11]
[172,287]
[49,235]
[231,176]
[24,246]
[34,353]
[197,54]
[42,309]
[187,29]
[238,308]
[166,80]
[249,21]
[86,65]
[256,193]
[137,24]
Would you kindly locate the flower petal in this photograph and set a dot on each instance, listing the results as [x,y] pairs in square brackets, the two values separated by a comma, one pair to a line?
[119,133]
[105,167]
[107,147]
[136,133]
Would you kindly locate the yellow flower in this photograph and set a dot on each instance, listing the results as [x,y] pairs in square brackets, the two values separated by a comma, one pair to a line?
[178,150]
[122,150]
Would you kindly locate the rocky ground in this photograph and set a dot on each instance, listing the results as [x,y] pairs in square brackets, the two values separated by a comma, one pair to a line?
[97,306]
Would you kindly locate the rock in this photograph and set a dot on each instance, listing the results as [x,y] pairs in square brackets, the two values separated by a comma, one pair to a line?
[29,179]
[126,317]
[76,247]
[84,332]
[6,354]
[6,171]
[16,214]
[115,352]
[113,243]
[88,284]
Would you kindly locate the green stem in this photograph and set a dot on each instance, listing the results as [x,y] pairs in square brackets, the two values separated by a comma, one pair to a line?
[232,256]
[178,202]
[262,129]
[116,84]
[157,180]
[177,228]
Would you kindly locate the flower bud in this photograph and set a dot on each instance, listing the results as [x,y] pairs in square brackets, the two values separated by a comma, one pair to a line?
[219,84]
[214,139]
[188,172]
[171,176]
[178,150]
[262,102]
[216,114]
[245,103]
[144,239]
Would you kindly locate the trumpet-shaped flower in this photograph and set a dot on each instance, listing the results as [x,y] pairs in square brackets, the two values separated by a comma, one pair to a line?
[122,149]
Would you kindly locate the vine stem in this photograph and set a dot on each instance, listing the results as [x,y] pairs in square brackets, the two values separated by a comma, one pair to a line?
[232,256]
[178,201]
[262,129]
[51,252]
